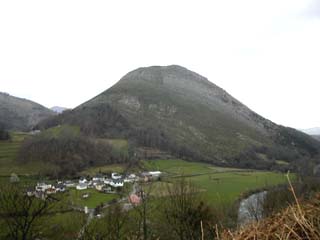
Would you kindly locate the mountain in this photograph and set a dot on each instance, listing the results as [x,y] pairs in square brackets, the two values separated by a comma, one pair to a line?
[179,111]
[58,109]
[21,114]
[312,131]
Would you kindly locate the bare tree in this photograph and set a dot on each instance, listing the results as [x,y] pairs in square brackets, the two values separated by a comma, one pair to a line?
[185,215]
[143,212]
[110,227]
[22,215]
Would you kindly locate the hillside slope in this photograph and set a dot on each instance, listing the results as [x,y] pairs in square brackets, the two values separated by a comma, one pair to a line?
[180,111]
[21,114]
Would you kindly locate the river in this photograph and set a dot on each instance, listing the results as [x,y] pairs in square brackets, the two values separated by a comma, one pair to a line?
[251,208]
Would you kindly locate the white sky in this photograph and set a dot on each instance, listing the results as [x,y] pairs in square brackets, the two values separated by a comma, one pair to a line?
[264,53]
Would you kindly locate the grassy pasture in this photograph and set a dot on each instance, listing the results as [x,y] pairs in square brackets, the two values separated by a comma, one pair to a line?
[218,185]
[95,198]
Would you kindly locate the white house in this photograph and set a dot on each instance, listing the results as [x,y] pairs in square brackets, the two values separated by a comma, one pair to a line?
[117,183]
[107,181]
[127,180]
[42,187]
[30,192]
[83,180]
[131,178]
[82,186]
[116,176]
[98,177]
[99,186]
[155,174]
[69,183]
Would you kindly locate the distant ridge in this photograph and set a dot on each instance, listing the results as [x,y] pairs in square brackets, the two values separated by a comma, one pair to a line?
[21,114]
[58,109]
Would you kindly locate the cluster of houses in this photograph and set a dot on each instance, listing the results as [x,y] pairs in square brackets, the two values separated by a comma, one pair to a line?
[99,182]
[43,189]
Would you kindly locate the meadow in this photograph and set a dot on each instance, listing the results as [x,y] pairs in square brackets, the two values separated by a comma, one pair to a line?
[95,198]
[217,185]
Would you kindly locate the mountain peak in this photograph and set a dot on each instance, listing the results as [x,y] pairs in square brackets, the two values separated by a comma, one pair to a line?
[177,110]
[164,74]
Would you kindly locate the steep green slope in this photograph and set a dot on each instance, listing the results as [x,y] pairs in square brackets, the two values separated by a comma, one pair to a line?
[179,111]
[20,114]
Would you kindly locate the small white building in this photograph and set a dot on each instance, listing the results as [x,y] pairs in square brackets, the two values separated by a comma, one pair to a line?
[131,178]
[155,174]
[83,180]
[82,186]
[98,177]
[99,186]
[127,180]
[30,192]
[116,176]
[117,183]
[107,181]
[69,183]
[42,187]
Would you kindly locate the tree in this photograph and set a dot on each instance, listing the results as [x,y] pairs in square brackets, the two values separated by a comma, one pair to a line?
[110,227]
[143,211]
[21,216]
[185,215]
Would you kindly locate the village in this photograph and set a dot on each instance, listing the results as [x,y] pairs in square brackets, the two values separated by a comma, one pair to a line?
[103,183]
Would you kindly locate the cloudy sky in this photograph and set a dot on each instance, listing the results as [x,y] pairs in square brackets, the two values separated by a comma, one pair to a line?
[264,53]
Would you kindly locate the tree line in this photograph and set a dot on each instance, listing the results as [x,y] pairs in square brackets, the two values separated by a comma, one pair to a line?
[70,153]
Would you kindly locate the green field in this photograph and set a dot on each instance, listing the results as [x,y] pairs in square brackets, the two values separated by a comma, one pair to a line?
[218,185]
[95,198]
[175,167]
[60,130]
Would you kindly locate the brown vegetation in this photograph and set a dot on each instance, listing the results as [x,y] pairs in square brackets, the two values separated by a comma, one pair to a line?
[297,222]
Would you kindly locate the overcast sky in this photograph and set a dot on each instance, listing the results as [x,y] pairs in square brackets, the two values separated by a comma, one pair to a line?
[264,53]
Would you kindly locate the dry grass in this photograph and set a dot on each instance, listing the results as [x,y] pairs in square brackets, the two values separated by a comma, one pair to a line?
[300,221]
